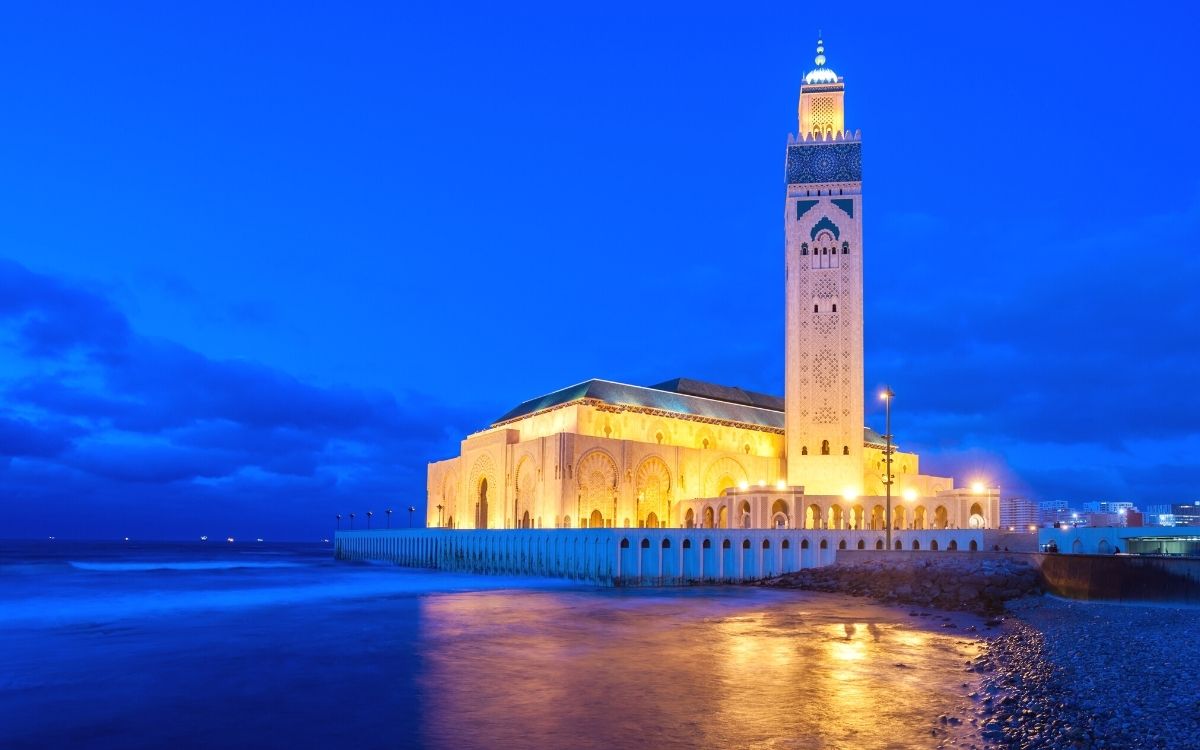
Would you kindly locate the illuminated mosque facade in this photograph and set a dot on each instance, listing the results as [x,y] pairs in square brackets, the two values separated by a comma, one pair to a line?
[686,453]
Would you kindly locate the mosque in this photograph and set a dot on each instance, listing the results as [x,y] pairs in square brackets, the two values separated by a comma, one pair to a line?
[686,453]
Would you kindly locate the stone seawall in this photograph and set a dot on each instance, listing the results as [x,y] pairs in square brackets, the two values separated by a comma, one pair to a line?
[1122,577]
[637,557]
[978,582]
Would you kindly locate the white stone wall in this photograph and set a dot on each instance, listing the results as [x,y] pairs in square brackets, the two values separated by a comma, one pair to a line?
[1105,540]
[647,557]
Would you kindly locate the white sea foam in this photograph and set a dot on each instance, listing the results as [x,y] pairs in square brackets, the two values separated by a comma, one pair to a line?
[205,565]
[113,605]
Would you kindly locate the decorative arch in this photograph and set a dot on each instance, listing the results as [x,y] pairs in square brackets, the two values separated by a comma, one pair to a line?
[525,485]
[596,477]
[653,487]
[941,517]
[483,489]
[827,225]
[449,499]
[723,474]
[779,514]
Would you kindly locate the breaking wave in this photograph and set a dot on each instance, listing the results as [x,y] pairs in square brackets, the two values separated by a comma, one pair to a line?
[204,565]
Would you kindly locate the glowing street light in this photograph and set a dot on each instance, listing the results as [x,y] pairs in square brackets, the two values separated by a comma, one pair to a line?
[743,485]
[886,395]
[781,485]
[977,488]
[910,494]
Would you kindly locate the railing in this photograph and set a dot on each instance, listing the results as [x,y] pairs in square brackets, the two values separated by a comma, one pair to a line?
[623,557]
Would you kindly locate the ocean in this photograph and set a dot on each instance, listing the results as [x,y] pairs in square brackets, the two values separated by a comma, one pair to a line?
[181,645]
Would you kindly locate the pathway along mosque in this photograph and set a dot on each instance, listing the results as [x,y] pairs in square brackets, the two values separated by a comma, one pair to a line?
[685,453]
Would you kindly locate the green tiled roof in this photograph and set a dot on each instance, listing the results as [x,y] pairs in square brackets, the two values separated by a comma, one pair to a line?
[683,396]
[656,397]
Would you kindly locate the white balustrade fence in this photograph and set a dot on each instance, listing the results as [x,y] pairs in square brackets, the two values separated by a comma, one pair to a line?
[632,557]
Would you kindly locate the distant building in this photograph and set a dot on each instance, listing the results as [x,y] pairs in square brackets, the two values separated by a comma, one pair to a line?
[1019,513]
[1186,514]
[1055,511]
[1102,519]
[1106,506]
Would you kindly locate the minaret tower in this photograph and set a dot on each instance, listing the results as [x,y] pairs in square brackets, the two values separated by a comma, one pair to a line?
[824,261]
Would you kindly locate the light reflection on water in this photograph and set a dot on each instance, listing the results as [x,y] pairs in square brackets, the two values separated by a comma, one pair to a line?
[745,669]
[162,648]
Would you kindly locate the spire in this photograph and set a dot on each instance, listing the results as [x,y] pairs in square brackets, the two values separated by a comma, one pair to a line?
[820,74]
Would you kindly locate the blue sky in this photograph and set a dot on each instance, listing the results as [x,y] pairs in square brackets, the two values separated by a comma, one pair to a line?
[259,263]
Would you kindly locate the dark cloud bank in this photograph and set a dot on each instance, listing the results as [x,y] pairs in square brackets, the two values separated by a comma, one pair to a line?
[108,433]
[1076,379]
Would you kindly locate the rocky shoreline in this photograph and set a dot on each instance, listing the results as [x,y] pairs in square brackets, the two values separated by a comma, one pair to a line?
[1053,674]
[949,581]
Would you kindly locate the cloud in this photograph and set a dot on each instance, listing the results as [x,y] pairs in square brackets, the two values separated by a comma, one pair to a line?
[106,413]
[51,317]
[1091,342]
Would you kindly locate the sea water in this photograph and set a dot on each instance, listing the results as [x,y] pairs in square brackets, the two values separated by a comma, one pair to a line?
[127,645]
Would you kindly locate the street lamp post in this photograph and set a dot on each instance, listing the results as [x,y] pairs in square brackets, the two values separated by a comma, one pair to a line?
[369,514]
[411,509]
[352,520]
[440,522]
[389,515]
[339,521]
[887,397]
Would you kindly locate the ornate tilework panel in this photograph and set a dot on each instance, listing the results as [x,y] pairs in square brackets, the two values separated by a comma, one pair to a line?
[846,204]
[824,223]
[803,206]
[824,162]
